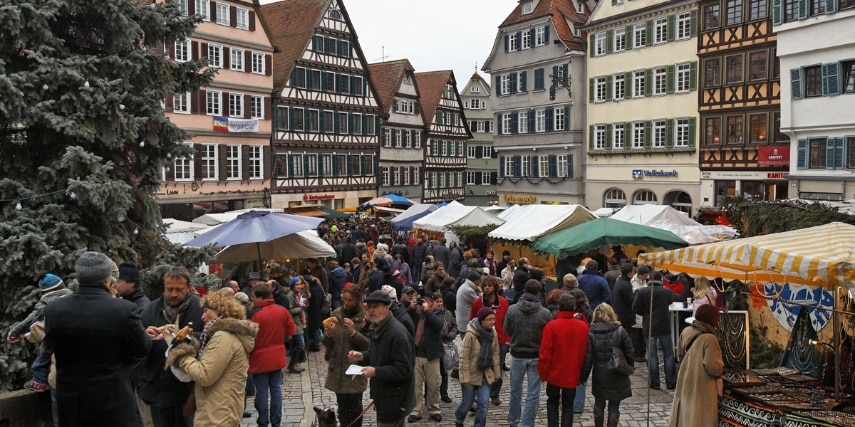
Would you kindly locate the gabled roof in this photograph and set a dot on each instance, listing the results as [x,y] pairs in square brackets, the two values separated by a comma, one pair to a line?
[431,85]
[292,24]
[387,77]
[477,76]
[559,11]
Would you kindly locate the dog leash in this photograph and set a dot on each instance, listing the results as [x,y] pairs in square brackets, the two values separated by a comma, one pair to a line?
[362,414]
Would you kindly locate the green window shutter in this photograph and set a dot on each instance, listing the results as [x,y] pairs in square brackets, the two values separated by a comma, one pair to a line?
[610,37]
[804,9]
[349,165]
[669,79]
[692,127]
[627,85]
[501,166]
[320,165]
[534,161]
[310,78]
[629,36]
[336,124]
[647,136]
[829,153]
[796,83]
[335,170]
[549,119]
[609,136]
[305,164]
[590,46]
[649,34]
[523,81]
[838,153]
[693,23]
[648,82]
[627,136]
[591,138]
[553,166]
[669,133]
[530,121]
[290,165]
[830,6]
[801,159]
[830,79]
[362,167]
[609,84]
[591,89]
[672,27]
[693,76]
[777,12]
[291,118]
[321,122]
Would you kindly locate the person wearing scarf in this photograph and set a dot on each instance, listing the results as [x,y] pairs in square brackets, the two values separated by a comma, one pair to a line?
[218,361]
[479,366]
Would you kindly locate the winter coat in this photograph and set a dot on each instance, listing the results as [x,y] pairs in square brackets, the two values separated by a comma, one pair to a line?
[313,312]
[419,253]
[465,296]
[442,253]
[220,372]
[23,326]
[696,397]
[391,353]
[406,273]
[139,298]
[468,369]
[596,287]
[562,350]
[274,326]
[524,323]
[339,345]
[661,315]
[376,280]
[295,310]
[97,341]
[348,253]
[403,315]
[622,300]
[159,386]
[611,276]
[521,275]
[431,346]
[400,249]
[607,384]
[322,275]
[449,325]
[501,309]
[338,277]
[454,260]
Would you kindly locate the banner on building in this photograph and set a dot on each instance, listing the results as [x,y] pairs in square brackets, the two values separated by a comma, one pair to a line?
[227,124]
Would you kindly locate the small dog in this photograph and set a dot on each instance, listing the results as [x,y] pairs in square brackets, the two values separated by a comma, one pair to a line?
[325,417]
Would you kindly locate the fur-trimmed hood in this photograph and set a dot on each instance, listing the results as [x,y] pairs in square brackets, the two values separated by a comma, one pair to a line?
[244,330]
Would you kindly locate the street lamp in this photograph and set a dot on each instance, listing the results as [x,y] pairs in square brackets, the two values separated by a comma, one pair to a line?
[560,81]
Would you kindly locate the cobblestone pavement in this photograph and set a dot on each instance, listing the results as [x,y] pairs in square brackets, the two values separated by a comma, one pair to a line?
[301,392]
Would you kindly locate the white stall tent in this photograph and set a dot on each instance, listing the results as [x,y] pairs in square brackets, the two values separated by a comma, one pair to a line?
[178,231]
[668,218]
[454,214]
[530,222]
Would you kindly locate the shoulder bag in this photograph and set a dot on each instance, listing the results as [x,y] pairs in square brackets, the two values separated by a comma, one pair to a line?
[617,361]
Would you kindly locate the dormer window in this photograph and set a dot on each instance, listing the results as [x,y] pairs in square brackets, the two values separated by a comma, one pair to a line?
[335,14]
[527,7]
[580,8]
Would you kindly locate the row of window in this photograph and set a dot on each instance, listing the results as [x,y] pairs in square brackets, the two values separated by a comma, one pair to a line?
[550,119]
[219,56]
[794,10]
[443,179]
[678,78]
[444,148]
[406,106]
[615,198]
[829,79]
[743,128]
[219,103]
[445,117]
[403,138]
[328,81]
[474,151]
[221,13]
[548,166]
[669,28]
[475,104]
[826,153]
[332,46]
[218,162]
[644,135]
[481,126]
[741,67]
[517,82]
[526,39]
[300,119]
[481,178]
[320,165]
[400,175]
[736,12]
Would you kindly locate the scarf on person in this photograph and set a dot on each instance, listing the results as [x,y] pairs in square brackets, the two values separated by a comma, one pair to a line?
[171,313]
[485,337]
[203,338]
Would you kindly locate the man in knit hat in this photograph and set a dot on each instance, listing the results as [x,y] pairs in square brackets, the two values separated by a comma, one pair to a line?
[97,340]
[51,287]
[129,286]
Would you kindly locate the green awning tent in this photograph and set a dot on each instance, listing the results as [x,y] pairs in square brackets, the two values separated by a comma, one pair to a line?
[332,213]
[605,231]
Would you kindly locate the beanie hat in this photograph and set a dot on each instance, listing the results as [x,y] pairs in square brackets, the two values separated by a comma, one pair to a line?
[93,268]
[294,281]
[483,312]
[129,273]
[708,314]
[473,276]
[390,291]
[643,269]
[49,282]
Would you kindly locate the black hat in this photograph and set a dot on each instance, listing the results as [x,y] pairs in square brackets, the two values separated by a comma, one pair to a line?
[129,272]
[378,296]
[473,276]
[643,269]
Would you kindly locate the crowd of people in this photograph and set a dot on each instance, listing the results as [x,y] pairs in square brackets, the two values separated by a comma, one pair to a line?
[411,311]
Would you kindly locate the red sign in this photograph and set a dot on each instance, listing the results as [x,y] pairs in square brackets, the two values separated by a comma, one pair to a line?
[318,196]
[773,155]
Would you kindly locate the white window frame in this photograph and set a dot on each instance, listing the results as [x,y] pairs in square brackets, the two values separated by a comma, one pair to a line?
[513,42]
[236,104]
[408,139]
[638,82]
[658,137]
[470,178]
[684,26]
[181,103]
[258,63]
[384,174]
[618,136]
[527,7]
[639,36]
[256,162]
[233,162]
[487,152]
[543,166]
[505,84]
[297,162]
[599,137]
[509,166]
[470,151]
[660,30]
[599,89]
[213,102]
[600,43]
[182,50]
[681,132]
[637,135]
[559,121]
[396,176]
[618,87]
[522,122]
[619,40]
[256,107]
[407,174]
[203,9]
[525,166]
[682,78]
[223,14]
[486,179]
[562,165]
[506,124]
[242,18]
[526,40]
[660,81]
[210,162]
[183,165]
[215,55]
[236,62]
[356,129]
[540,120]
[540,36]
[387,137]
[398,138]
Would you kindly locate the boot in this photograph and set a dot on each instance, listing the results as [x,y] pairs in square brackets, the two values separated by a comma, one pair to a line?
[598,416]
[552,414]
[613,419]
[567,418]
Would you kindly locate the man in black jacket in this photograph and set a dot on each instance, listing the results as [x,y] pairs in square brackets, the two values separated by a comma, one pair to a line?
[418,257]
[622,301]
[428,342]
[657,328]
[389,363]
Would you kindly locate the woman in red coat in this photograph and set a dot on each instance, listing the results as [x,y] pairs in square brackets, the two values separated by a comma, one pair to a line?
[562,353]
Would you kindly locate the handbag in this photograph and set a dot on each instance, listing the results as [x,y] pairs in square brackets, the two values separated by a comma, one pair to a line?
[452,356]
[617,361]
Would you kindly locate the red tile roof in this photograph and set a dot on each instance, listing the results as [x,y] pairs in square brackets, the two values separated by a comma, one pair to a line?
[292,24]
[559,11]
[477,76]
[387,77]
[431,85]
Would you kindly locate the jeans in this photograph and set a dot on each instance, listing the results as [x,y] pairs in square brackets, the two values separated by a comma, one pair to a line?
[349,407]
[298,349]
[469,394]
[313,335]
[566,396]
[638,342]
[41,367]
[268,382]
[614,405]
[579,400]
[653,361]
[521,368]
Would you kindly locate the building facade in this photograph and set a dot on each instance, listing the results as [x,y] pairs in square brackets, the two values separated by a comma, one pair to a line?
[537,66]
[742,151]
[642,105]
[228,122]
[402,129]
[816,48]
[326,124]
[446,136]
[481,162]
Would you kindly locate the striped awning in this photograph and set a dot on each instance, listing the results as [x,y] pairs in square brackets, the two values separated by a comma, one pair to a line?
[816,256]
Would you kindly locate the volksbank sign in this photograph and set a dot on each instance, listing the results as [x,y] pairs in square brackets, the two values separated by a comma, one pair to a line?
[653,173]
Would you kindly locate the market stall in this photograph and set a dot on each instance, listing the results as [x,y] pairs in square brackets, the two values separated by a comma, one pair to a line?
[404,221]
[438,223]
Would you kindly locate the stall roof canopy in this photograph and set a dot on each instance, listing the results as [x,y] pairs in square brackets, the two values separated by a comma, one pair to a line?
[453,214]
[530,222]
[405,220]
[605,231]
[817,256]
[219,218]
[648,214]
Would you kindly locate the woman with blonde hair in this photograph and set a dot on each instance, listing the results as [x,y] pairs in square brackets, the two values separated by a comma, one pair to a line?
[608,384]
[218,361]
[704,293]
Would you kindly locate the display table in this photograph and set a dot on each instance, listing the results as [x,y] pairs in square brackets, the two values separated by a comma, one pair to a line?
[676,309]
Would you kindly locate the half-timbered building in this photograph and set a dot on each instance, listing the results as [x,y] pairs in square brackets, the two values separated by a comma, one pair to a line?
[402,128]
[742,151]
[481,163]
[537,66]
[326,121]
[446,136]
[642,105]
[228,122]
